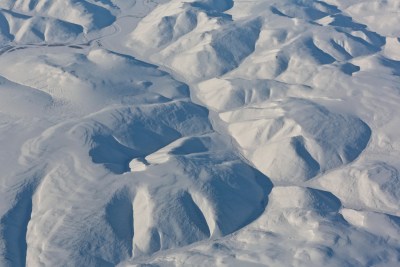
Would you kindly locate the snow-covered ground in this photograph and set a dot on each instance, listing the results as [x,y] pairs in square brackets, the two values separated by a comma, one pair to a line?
[199,133]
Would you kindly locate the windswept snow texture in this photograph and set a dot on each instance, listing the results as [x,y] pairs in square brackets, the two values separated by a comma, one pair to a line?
[199,133]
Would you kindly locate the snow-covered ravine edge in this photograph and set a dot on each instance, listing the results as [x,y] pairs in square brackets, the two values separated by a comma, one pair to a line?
[336,192]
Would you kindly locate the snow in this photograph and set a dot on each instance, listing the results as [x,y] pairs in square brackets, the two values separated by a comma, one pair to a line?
[201,133]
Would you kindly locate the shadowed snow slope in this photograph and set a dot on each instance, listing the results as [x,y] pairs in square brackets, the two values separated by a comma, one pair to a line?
[199,132]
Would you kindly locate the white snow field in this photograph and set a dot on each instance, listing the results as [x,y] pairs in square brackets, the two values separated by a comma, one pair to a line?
[200,133]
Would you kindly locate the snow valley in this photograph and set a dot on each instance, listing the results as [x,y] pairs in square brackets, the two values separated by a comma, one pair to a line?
[199,133]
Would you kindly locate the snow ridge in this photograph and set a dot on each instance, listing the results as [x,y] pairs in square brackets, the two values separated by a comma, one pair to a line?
[201,132]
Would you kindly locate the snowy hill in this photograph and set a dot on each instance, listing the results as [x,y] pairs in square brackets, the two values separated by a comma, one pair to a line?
[199,133]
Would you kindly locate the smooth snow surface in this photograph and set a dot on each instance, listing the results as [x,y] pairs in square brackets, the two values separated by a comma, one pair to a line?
[199,133]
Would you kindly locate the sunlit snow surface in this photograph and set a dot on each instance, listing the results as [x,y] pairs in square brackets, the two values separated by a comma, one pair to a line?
[199,133]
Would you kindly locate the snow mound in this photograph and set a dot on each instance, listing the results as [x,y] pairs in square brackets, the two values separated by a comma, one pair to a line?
[68,77]
[298,39]
[378,224]
[375,186]
[207,192]
[301,226]
[190,36]
[159,125]
[370,13]
[89,14]
[268,45]
[224,94]
[36,29]
[296,139]
[210,194]
[303,198]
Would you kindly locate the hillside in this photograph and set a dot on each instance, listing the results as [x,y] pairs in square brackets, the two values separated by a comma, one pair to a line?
[199,133]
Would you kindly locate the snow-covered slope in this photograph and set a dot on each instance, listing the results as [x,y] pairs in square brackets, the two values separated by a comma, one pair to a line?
[199,133]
